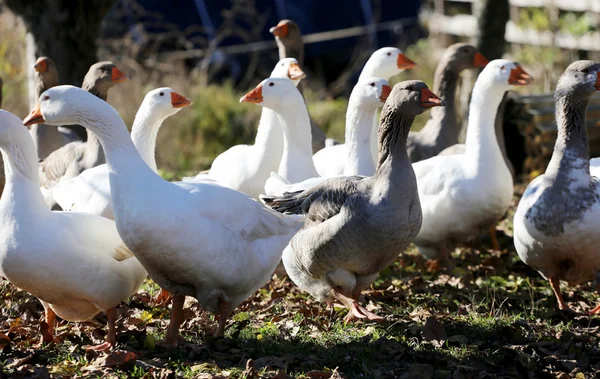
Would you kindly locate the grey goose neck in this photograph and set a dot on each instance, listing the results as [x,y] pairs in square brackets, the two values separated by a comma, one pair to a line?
[444,85]
[393,133]
[571,150]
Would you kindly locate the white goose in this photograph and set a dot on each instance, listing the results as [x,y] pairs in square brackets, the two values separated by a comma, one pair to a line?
[75,263]
[465,194]
[384,63]
[195,239]
[246,168]
[89,192]
[368,95]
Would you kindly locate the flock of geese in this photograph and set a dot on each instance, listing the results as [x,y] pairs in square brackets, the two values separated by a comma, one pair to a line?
[335,218]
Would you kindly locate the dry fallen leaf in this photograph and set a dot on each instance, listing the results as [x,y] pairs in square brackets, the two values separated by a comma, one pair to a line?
[434,331]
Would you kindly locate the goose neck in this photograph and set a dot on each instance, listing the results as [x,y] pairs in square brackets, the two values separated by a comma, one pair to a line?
[393,133]
[359,126]
[22,186]
[444,84]
[269,137]
[144,133]
[481,142]
[296,163]
[571,151]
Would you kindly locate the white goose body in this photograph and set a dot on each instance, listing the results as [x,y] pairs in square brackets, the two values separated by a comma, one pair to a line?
[462,195]
[383,63]
[89,192]
[557,220]
[195,239]
[75,263]
[246,168]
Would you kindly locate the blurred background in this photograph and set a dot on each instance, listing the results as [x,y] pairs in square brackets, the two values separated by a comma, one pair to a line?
[213,51]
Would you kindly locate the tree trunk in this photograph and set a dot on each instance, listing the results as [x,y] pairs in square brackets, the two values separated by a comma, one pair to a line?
[64,30]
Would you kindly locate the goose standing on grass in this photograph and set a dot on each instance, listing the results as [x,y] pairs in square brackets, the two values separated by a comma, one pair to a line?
[557,220]
[246,168]
[207,241]
[75,157]
[465,194]
[442,128]
[89,192]
[368,95]
[355,226]
[384,63]
[48,138]
[75,263]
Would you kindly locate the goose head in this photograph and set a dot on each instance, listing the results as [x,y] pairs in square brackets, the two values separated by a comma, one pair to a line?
[274,93]
[101,77]
[164,102]
[68,105]
[287,31]
[503,74]
[462,56]
[288,68]
[410,98]
[579,81]
[371,92]
[46,74]
[387,62]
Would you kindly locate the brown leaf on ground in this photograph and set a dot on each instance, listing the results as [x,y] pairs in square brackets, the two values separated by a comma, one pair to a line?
[21,362]
[123,360]
[434,331]
[4,340]
[316,374]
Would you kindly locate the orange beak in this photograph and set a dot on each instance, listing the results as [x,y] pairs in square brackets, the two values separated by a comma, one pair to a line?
[385,92]
[254,96]
[41,65]
[178,101]
[281,30]
[597,85]
[430,99]
[404,63]
[118,76]
[518,77]
[295,73]
[479,61]
[35,117]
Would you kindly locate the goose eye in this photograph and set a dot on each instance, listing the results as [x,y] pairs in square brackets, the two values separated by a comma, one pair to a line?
[372,84]
[162,94]
[585,71]
[501,67]
[389,53]
[46,97]
[271,84]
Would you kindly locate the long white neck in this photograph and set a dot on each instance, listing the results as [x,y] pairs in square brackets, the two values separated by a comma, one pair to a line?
[296,163]
[359,126]
[143,134]
[21,194]
[269,139]
[481,143]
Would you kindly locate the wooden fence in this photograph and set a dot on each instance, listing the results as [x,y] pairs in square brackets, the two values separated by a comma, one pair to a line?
[441,22]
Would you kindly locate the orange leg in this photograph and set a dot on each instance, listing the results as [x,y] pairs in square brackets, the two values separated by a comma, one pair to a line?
[163,298]
[50,319]
[555,284]
[494,238]
[223,313]
[111,335]
[173,337]
[356,310]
